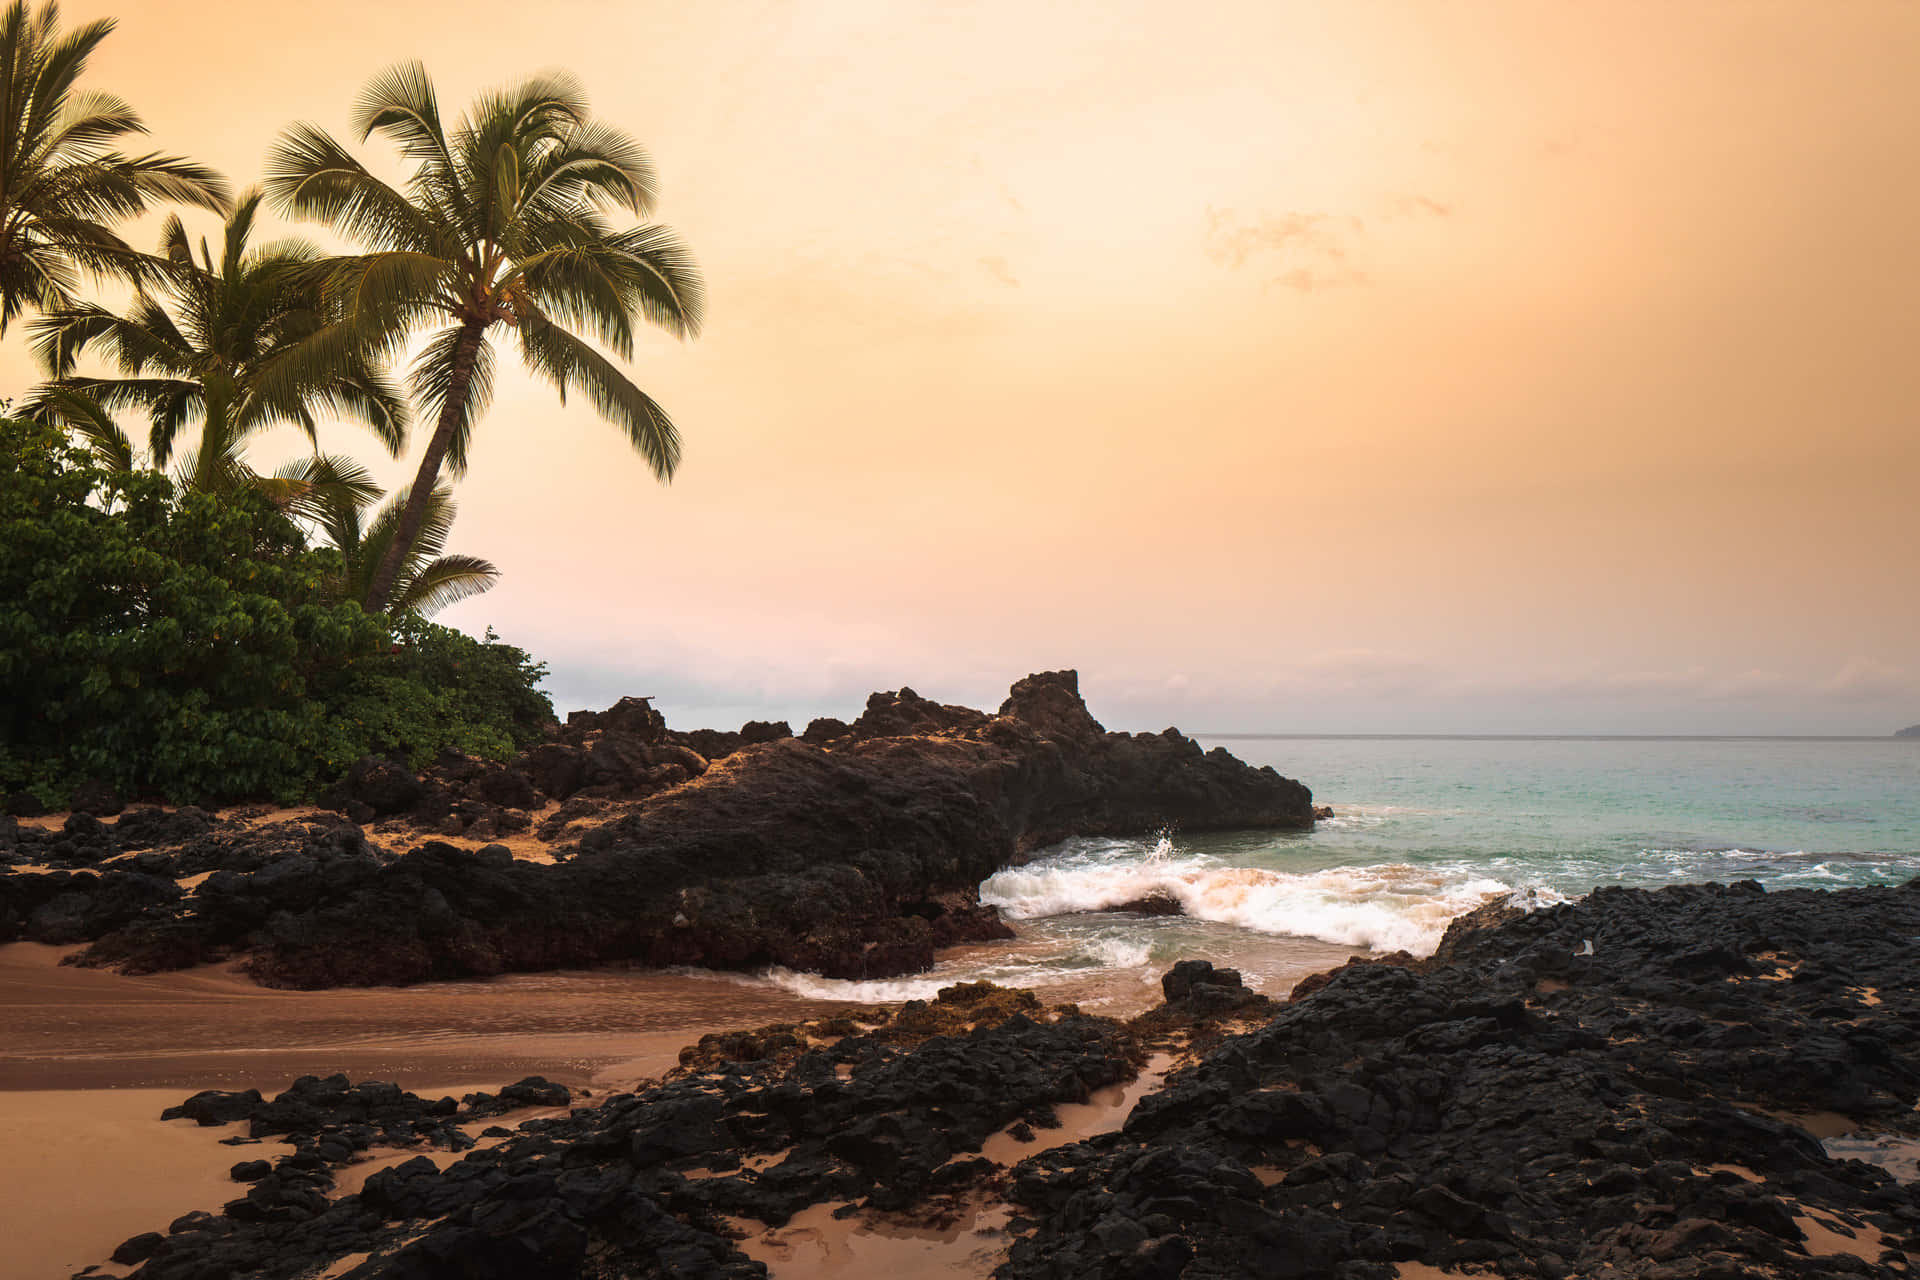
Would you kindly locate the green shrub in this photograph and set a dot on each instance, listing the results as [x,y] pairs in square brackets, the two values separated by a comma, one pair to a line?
[187,646]
[438,689]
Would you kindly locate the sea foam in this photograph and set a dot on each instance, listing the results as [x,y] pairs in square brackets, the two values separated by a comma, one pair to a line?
[1388,908]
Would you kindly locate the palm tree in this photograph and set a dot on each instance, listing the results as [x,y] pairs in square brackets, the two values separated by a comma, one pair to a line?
[246,346]
[502,223]
[60,187]
[428,581]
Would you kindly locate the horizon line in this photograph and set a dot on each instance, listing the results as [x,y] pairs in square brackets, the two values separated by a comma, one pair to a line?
[1569,737]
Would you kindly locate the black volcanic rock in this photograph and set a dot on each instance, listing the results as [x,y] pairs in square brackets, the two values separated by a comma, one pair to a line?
[1050,702]
[97,798]
[1632,1117]
[375,787]
[859,861]
[640,1184]
[1517,1106]
[903,713]
[754,732]
[825,729]
[24,804]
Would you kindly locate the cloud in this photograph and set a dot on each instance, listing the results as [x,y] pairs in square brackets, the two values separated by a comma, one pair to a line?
[1317,237]
[997,269]
[1863,680]
[1407,205]
[1312,248]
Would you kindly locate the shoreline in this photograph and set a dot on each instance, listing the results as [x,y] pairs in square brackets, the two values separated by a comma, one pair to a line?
[855,852]
[1677,1070]
[85,1071]
[64,1027]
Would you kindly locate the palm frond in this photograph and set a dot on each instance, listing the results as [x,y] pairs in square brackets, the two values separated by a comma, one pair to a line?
[61,190]
[400,104]
[319,486]
[668,289]
[570,363]
[444,581]
[309,175]
[597,163]
[83,416]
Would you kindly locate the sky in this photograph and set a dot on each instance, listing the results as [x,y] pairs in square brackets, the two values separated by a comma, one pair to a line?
[1484,366]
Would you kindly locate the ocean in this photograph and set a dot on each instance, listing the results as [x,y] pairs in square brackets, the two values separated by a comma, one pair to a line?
[1424,829]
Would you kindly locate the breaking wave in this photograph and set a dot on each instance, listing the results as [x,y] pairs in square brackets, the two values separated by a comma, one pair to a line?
[1066,960]
[1390,907]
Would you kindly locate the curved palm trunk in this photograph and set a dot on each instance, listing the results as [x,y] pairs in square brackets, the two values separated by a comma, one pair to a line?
[414,514]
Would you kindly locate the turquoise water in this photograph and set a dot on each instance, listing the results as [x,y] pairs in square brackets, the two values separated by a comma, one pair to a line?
[1424,829]
[1570,813]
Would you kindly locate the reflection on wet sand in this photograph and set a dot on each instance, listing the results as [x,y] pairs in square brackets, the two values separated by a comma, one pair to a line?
[67,1028]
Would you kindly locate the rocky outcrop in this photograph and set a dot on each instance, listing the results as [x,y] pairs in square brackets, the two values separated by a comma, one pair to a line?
[891,1113]
[1526,1105]
[856,857]
[1633,1113]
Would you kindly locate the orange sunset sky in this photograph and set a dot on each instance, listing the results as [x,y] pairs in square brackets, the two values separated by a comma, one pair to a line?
[1418,366]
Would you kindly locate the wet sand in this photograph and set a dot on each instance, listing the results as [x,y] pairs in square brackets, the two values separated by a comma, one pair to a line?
[815,1245]
[88,1060]
[88,1169]
[206,1028]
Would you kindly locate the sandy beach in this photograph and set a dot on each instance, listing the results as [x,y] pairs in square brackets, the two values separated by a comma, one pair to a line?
[89,1059]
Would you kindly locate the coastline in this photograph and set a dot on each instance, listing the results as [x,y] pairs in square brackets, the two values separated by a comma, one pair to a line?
[1700,1089]
[89,1059]
[380,986]
[856,854]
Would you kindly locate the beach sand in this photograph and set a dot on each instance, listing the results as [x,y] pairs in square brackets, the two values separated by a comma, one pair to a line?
[86,1169]
[88,1060]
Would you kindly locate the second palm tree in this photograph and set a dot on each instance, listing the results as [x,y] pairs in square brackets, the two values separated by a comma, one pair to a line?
[503,222]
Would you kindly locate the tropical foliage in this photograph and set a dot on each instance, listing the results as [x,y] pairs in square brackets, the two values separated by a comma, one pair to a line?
[62,186]
[428,581]
[193,647]
[503,223]
[235,344]
[172,620]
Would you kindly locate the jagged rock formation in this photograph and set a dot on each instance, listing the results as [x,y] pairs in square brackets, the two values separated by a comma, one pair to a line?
[1514,1106]
[638,1185]
[1519,1106]
[859,857]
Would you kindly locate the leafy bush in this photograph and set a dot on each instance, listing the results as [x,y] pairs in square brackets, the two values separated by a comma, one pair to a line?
[186,645]
[438,689]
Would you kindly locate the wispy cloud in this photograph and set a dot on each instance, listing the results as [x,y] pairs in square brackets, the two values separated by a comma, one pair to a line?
[998,270]
[1862,680]
[1233,241]
[1411,205]
[1312,248]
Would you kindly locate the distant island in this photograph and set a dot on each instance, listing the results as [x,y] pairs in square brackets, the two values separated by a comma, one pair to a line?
[1911,731]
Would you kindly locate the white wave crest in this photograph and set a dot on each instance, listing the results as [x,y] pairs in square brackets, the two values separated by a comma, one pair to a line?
[1389,908]
[1536,898]
[812,986]
[1116,953]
